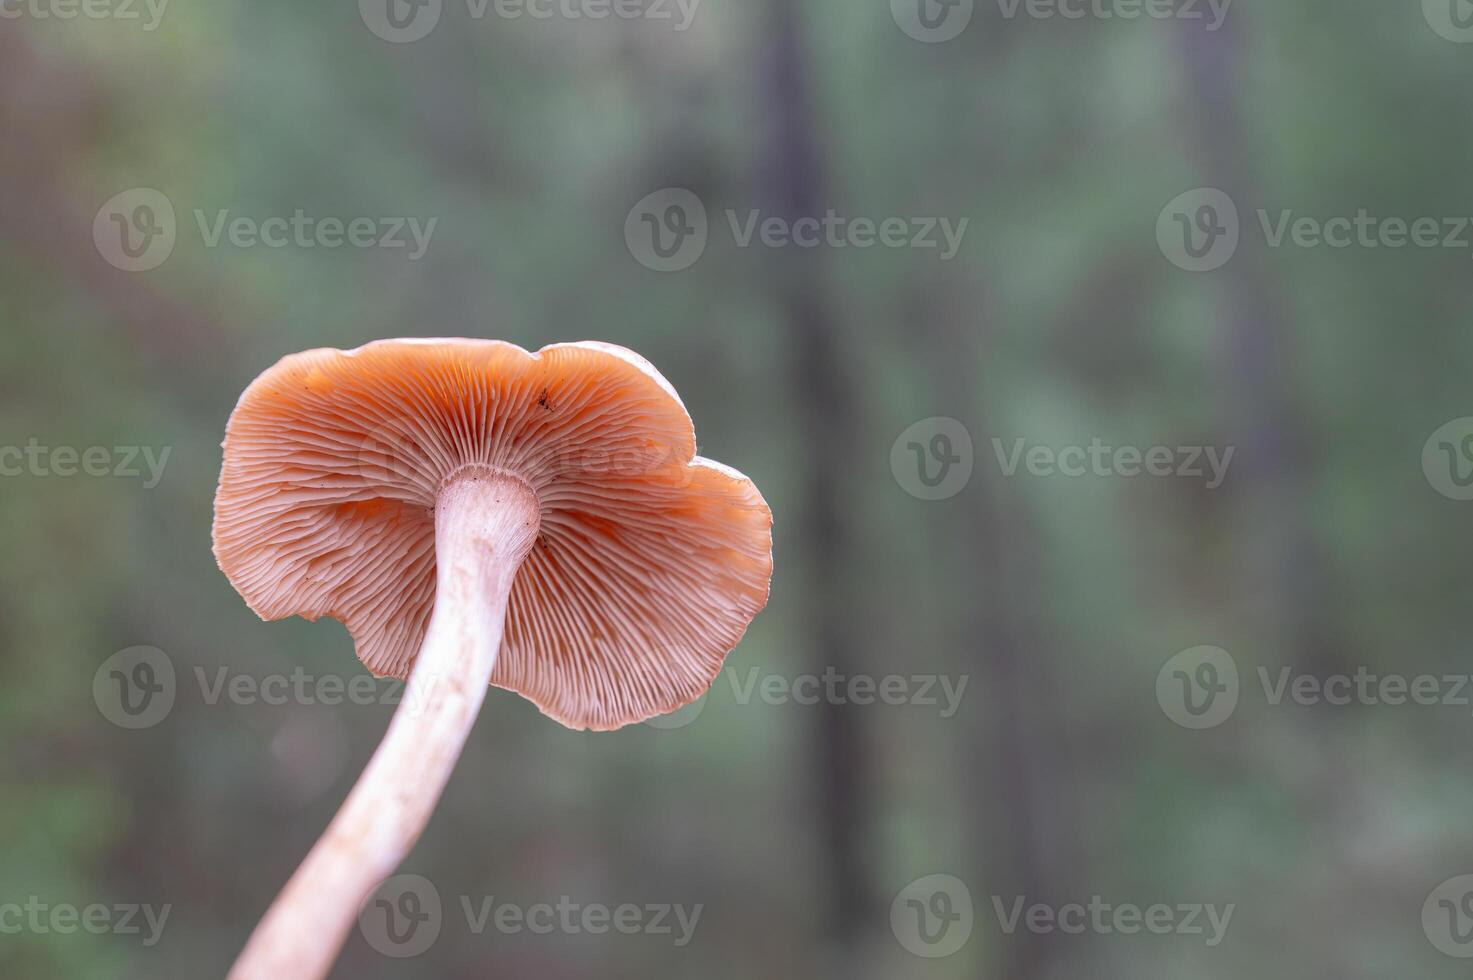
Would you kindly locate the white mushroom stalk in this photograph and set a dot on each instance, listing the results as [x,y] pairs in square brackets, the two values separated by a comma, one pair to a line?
[485,523]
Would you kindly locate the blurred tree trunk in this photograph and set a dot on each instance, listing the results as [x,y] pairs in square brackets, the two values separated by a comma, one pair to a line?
[827,411]
[1274,454]
[1024,830]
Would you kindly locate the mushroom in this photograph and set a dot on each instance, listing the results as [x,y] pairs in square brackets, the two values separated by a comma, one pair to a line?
[475,513]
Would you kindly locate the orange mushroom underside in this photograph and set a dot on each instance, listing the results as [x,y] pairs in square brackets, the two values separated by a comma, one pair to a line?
[649,565]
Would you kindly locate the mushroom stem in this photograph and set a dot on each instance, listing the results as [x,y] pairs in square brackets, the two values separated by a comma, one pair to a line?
[485,523]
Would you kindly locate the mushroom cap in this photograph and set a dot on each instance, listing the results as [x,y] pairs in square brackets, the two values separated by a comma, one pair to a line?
[649,564]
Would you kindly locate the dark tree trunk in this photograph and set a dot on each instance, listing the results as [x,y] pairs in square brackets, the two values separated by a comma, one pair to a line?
[826,409]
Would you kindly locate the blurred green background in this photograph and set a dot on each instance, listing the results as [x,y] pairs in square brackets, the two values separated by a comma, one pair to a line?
[1064,317]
